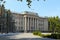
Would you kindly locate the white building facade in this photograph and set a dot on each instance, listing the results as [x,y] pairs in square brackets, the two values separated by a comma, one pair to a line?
[29,22]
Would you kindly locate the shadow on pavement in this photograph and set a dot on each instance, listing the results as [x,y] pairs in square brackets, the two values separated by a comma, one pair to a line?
[9,34]
[30,39]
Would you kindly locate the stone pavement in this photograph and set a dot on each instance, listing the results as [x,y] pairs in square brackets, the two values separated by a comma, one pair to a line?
[23,35]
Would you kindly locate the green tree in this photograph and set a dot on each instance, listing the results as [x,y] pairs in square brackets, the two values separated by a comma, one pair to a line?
[54,24]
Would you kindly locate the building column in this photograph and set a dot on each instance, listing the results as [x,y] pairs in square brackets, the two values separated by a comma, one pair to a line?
[23,23]
[25,26]
[28,23]
[35,23]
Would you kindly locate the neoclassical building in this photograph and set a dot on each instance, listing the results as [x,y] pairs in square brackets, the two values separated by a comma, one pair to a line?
[29,21]
[21,22]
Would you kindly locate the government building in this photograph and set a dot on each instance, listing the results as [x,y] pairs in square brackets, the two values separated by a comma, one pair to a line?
[21,22]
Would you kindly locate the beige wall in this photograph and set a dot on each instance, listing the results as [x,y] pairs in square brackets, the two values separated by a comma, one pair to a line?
[45,24]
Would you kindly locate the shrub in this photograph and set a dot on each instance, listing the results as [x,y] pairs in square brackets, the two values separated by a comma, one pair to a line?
[37,33]
[54,36]
[46,36]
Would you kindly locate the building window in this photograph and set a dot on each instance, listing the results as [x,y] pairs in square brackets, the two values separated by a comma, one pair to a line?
[16,22]
[40,24]
[32,27]
[21,27]
[5,14]
[21,22]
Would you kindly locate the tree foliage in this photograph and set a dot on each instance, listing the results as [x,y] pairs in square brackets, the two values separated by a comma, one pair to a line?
[54,24]
[28,2]
[2,1]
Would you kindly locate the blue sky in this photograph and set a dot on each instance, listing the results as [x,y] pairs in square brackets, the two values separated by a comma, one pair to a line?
[47,8]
